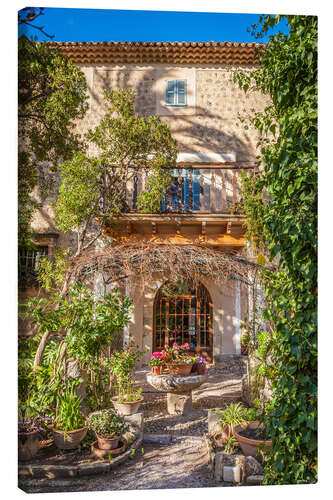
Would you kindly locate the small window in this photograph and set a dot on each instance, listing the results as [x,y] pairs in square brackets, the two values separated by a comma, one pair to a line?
[175,93]
[28,263]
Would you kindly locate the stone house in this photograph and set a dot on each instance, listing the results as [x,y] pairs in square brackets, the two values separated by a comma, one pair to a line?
[190,85]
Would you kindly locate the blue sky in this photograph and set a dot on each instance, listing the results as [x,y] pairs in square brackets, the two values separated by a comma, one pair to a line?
[82,25]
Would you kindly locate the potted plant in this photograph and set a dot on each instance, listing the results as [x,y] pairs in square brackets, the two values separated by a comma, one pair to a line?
[179,362]
[156,363]
[29,430]
[252,438]
[231,416]
[69,424]
[128,403]
[199,365]
[108,426]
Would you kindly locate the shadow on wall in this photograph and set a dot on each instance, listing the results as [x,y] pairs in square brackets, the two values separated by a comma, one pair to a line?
[202,132]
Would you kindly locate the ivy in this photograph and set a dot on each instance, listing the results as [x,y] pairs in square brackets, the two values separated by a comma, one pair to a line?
[280,202]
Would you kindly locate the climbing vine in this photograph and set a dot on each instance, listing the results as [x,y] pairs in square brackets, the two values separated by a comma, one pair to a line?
[284,204]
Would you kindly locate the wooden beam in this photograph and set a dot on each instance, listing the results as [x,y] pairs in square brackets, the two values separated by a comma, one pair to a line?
[153,226]
[193,217]
[215,240]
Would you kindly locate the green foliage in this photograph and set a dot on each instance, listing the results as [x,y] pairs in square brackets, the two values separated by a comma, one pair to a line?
[51,96]
[91,324]
[69,416]
[288,221]
[96,185]
[78,192]
[234,414]
[230,444]
[176,287]
[130,396]
[51,274]
[121,363]
[107,423]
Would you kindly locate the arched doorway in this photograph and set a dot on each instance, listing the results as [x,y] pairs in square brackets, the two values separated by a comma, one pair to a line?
[184,315]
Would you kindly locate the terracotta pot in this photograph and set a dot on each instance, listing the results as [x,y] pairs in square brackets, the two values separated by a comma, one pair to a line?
[28,444]
[69,440]
[126,408]
[180,370]
[156,370]
[105,443]
[250,446]
[103,454]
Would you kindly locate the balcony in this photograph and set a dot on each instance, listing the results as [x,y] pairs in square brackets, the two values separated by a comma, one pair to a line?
[194,190]
[199,208]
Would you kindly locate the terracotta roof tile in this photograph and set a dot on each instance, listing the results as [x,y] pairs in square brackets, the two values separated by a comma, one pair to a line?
[160,52]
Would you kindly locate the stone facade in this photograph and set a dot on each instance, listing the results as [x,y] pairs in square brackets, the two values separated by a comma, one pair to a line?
[210,123]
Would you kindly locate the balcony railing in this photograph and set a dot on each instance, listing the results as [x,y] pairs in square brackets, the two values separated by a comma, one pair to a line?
[194,190]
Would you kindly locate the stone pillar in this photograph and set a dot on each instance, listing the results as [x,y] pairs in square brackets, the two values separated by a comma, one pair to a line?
[126,330]
[238,320]
[179,404]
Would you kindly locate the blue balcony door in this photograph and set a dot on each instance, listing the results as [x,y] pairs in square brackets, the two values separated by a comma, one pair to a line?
[175,193]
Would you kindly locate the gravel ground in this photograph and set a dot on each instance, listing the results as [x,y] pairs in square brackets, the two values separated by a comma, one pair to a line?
[180,464]
[177,465]
[223,386]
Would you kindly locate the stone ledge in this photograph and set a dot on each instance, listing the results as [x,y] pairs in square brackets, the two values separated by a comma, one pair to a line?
[254,479]
[69,471]
[176,385]
[168,438]
[157,438]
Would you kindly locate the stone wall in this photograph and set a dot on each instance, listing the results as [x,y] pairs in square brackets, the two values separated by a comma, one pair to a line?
[210,121]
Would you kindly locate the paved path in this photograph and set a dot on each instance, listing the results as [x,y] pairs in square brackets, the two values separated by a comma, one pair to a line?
[176,465]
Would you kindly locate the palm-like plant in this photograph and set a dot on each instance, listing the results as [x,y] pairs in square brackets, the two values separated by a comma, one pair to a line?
[234,414]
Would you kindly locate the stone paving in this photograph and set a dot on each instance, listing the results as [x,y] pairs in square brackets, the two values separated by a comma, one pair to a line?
[180,459]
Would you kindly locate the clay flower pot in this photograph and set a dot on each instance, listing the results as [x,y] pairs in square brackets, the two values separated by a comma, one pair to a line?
[28,444]
[156,370]
[128,408]
[104,454]
[69,440]
[180,370]
[105,443]
[250,446]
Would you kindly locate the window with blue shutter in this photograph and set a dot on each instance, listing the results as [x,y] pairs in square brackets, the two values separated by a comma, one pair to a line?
[175,93]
